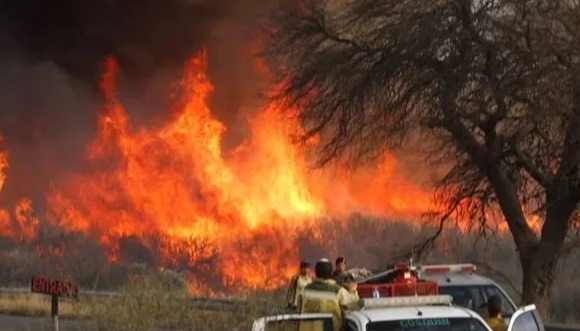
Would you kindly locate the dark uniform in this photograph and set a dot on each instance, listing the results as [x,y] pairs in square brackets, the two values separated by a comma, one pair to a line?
[338,275]
[297,285]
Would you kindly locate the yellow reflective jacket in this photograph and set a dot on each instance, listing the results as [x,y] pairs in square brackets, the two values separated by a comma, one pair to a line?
[320,297]
[496,323]
[348,299]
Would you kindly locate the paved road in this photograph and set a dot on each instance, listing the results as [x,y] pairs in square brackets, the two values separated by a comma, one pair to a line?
[21,323]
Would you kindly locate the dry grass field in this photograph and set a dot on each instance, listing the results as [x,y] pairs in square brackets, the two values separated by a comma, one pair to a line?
[143,305]
[38,305]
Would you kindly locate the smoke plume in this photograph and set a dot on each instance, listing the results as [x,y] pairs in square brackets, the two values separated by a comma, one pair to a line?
[51,62]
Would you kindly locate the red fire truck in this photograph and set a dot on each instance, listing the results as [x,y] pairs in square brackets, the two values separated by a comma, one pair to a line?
[402,280]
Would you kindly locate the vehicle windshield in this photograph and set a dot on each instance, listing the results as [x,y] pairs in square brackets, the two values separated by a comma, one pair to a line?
[473,297]
[429,324]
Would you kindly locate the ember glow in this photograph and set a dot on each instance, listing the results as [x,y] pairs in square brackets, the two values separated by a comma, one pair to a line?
[248,204]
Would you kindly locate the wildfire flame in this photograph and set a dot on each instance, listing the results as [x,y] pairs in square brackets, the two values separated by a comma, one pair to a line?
[176,180]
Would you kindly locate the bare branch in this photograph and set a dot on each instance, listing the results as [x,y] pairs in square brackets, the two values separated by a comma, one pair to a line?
[495,84]
[526,163]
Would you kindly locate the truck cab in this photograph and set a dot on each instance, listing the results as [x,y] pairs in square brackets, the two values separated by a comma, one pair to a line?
[467,288]
[407,313]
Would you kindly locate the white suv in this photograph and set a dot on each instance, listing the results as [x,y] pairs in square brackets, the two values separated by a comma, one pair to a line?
[422,313]
[467,288]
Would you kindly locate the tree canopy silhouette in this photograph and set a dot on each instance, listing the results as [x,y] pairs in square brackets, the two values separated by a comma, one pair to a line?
[493,84]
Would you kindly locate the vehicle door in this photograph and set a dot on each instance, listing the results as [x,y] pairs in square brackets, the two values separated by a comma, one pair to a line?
[294,322]
[525,319]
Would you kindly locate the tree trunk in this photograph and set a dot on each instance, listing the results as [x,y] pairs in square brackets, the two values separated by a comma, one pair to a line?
[539,260]
[537,279]
[539,257]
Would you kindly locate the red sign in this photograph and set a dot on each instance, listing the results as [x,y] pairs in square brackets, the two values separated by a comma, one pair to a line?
[54,287]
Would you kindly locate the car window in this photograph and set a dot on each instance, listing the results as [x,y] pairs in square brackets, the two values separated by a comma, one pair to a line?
[507,306]
[465,296]
[526,322]
[428,324]
[473,297]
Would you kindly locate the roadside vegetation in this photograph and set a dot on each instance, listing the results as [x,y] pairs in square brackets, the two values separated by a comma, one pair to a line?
[147,303]
[147,297]
[31,304]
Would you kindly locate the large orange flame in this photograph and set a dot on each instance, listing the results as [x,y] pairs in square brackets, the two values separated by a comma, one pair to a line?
[176,180]
[245,207]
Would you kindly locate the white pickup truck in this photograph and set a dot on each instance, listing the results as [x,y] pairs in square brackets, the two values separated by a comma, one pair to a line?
[418,313]
[467,288]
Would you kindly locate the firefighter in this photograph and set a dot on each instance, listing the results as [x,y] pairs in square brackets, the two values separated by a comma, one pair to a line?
[349,298]
[323,295]
[297,285]
[339,273]
[494,310]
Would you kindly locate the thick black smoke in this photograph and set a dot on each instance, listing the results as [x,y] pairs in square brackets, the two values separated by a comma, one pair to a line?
[143,34]
[51,62]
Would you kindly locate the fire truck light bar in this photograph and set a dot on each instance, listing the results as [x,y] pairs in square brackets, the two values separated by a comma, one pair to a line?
[448,268]
[424,300]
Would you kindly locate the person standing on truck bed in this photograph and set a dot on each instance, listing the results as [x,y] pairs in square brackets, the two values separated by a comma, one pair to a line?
[323,295]
[339,274]
[297,285]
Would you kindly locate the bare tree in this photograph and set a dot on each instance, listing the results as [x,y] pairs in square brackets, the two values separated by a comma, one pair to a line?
[493,84]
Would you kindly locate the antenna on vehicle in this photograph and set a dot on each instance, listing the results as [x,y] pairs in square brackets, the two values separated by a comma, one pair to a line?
[419,313]
[418,266]
[411,268]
